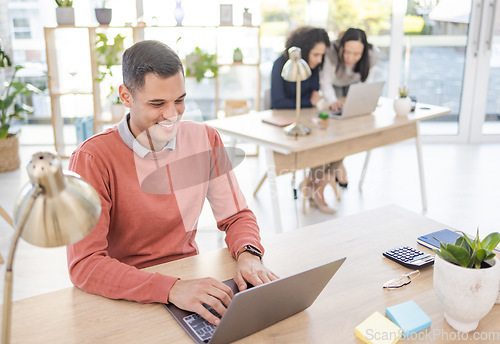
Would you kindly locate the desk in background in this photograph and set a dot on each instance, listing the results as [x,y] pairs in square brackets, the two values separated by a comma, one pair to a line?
[286,154]
[355,292]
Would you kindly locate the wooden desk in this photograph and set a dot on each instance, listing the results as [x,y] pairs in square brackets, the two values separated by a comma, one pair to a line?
[355,292]
[286,154]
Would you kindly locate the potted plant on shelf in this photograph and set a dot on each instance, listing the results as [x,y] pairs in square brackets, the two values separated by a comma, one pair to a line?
[323,120]
[237,55]
[65,13]
[109,55]
[466,279]
[402,105]
[201,64]
[117,109]
[11,106]
[103,14]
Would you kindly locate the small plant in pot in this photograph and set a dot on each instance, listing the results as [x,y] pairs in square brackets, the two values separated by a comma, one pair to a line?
[402,105]
[466,279]
[323,120]
[12,106]
[103,14]
[65,13]
[117,109]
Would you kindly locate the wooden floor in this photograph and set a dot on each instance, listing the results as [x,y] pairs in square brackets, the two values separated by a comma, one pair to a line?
[463,187]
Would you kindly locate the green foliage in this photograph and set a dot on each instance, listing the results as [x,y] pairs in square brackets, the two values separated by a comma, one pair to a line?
[201,64]
[469,253]
[11,105]
[108,55]
[403,92]
[323,115]
[4,59]
[374,18]
[64,3]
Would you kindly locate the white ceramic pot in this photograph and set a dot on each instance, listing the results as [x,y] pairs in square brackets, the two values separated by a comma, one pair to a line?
[402,106]
[117,111]
[466,295]
[65,15]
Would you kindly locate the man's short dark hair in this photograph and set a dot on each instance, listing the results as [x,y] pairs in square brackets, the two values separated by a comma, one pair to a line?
[149,56]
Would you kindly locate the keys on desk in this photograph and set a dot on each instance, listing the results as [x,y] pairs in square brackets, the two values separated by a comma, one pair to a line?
[409,257]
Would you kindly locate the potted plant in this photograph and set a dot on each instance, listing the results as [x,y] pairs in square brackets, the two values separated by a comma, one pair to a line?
[237,55]
[402,105]
[11,106]
[323,120]
[466,279]
[65,13]
[201,64]
[117,109]
[109,55]
[103,14]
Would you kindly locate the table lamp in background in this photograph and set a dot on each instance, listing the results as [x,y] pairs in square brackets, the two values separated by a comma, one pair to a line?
[54,209]
[296,70]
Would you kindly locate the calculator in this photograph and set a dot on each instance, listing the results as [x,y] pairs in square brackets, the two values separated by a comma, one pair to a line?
[410,257]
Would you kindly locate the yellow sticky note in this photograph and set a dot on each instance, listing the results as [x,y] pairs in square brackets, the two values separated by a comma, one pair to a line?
[377,329]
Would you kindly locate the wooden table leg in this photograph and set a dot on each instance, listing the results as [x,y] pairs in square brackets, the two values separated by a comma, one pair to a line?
[271,174]
[418,142]
[363,172]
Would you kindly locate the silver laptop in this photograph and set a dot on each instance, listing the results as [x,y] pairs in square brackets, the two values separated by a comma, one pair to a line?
[361,99]
[259,307]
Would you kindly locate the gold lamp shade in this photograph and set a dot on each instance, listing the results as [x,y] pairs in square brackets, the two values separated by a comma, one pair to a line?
[296,70]
[64,212]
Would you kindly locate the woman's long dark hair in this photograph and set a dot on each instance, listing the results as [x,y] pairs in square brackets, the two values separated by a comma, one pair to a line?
[306,37]
[363,65]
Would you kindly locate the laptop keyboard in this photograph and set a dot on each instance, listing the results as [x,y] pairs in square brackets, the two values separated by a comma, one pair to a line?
[203,329]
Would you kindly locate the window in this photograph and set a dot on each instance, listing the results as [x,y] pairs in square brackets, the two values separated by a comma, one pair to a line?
[21,28]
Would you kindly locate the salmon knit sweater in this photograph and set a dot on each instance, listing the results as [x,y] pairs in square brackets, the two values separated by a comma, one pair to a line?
[150,208]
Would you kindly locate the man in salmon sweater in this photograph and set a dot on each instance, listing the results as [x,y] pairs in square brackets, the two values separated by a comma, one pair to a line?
[153,173]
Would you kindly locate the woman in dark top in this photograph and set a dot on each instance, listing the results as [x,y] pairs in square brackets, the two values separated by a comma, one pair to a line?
[313,43]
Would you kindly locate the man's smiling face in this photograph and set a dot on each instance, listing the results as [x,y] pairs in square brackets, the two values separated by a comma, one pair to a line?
[155,109]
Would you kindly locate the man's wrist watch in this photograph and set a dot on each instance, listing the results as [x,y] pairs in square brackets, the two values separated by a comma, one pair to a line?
[250,249]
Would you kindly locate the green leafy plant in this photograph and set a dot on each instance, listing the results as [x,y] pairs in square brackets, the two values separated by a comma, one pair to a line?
[469,253]
[108,55]
[11,103]
[323,115]
[64,3]
[199,62]
[403,92]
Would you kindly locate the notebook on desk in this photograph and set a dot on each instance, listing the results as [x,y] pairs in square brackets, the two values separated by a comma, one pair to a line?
[259,307]
[361,99]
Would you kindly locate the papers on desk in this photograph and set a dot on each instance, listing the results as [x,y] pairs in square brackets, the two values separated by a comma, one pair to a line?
[377,329]
[409,317]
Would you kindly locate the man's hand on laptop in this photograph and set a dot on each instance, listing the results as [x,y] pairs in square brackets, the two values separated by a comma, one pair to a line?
[251,270]
[192,294]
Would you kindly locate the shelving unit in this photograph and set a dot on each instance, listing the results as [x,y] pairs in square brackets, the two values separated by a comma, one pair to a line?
[71,52]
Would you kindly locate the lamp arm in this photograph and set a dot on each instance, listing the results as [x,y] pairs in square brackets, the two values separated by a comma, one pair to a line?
[7,295]
[297,101]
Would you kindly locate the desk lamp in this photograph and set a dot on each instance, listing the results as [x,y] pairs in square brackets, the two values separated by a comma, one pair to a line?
[54,209]
[296,70]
